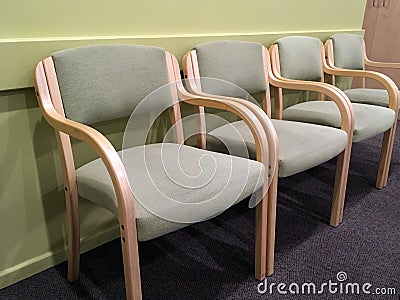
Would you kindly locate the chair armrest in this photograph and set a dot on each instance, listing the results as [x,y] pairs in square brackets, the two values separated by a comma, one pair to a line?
[390,86]
[268,128]
[335,94]
[266,140]
[377,64]
[262,117]
[388,83]
[94,139]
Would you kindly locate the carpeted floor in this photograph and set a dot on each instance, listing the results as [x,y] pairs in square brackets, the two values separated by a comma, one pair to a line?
[214,259]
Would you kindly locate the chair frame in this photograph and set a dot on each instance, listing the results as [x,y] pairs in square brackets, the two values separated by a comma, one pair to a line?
[191,71]
[367,62]
[50,101]
[390,86]
[347,123]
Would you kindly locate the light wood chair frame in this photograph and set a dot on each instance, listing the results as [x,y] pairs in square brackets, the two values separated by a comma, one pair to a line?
[347,122]
[192,73]
[367,62]
[389,85]
[50,101]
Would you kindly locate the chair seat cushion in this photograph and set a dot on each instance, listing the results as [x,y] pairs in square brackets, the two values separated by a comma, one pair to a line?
[370,120]
[301,146]
[368,96]
[173,185]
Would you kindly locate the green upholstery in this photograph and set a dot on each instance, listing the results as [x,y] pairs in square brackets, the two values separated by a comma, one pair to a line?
[234,179]
[300,57]
[301,146]
[370,120]
[369,96]
[348,51]
[231,61]
[104,82]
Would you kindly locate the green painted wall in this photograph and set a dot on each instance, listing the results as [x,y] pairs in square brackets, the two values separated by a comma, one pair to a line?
[47,18]
[32,210]
[30,30]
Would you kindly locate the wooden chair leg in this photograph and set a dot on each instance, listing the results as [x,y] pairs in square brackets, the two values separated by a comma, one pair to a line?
[201,122]
[271,220]
[261,238]
[130,255]
[386,155]
[73,231]
[339,193]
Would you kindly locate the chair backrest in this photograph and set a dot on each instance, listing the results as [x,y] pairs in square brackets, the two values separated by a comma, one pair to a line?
[104,82]
[348,51]
[237,62]
[300,57]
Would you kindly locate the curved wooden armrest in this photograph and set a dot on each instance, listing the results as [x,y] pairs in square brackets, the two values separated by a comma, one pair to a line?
[93,138]
[377,64]
[390,86]
[266,141]
[334,93]
[388,83]
[192,87]
[265,121]
[266,148]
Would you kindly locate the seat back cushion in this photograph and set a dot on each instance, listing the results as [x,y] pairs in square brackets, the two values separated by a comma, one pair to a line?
[104,82]
[300,57]
[237,64]
[348,50]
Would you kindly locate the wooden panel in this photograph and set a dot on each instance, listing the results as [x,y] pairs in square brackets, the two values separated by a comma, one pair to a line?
[385,45]
[370,17]
[369,24]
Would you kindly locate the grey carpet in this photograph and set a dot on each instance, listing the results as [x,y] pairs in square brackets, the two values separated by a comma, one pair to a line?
[214,259]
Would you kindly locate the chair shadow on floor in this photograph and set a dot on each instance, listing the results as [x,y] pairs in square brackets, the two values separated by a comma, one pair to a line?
[174,266]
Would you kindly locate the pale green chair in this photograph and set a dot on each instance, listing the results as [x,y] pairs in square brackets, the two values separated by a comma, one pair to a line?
[302,58]
[347,52]
[82,86]
[301,146]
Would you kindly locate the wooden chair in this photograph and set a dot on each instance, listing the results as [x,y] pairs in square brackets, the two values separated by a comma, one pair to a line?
[302,58]
[347,52]
[301,146]
[91,84]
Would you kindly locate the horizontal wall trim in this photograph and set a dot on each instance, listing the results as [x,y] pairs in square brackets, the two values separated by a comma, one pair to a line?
[166,36]
[20,55]
[52,258]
